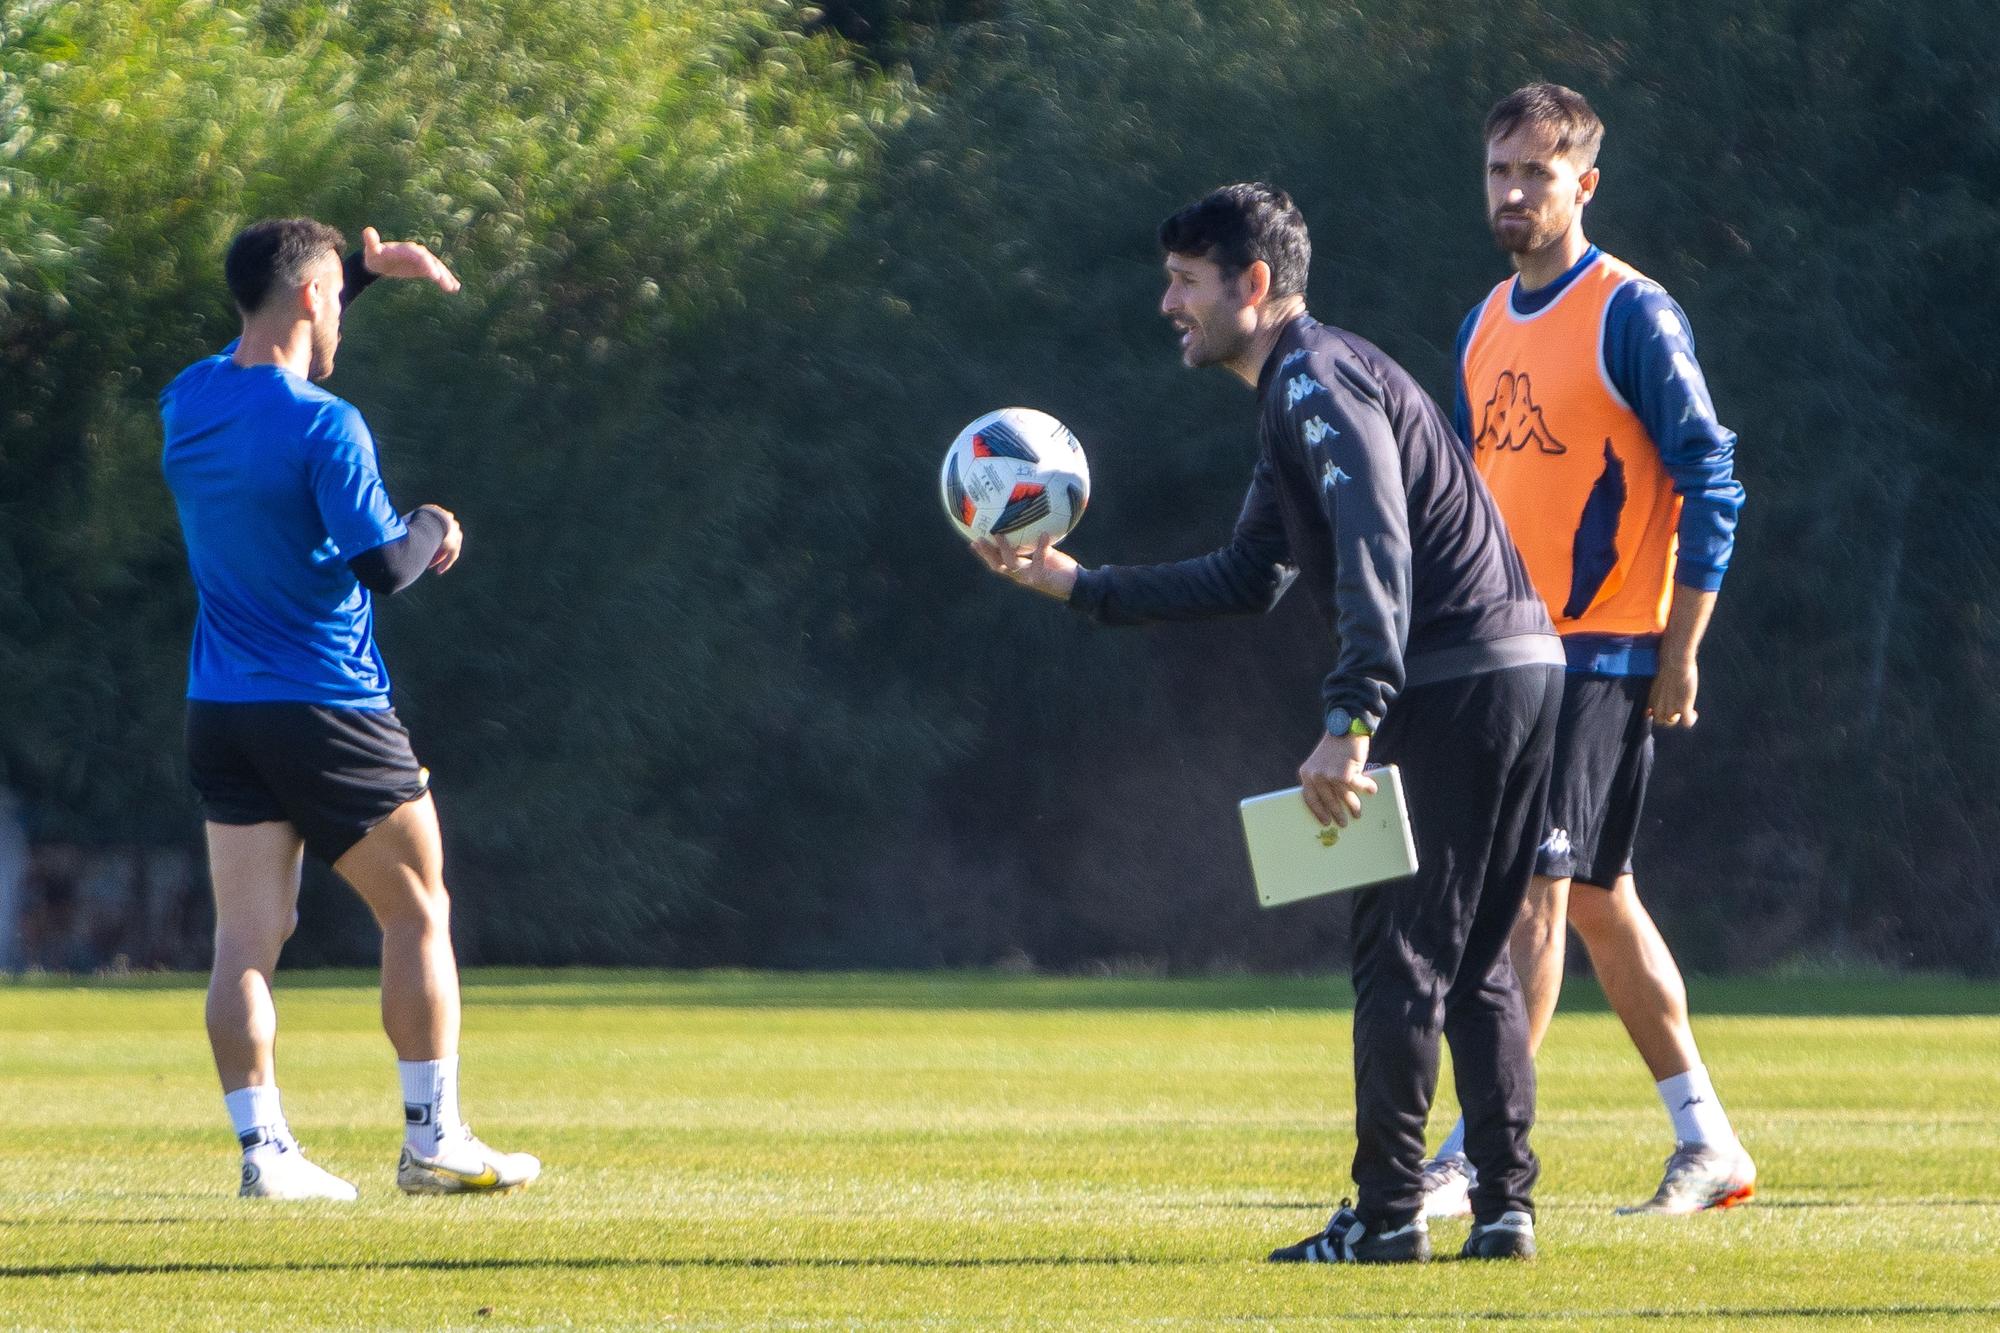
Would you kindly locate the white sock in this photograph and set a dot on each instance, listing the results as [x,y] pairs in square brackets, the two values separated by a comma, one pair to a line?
[430,1102]
[257,1118]
[1695,1109]
[1454,1142]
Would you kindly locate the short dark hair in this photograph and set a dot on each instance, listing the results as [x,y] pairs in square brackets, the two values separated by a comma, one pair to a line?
[276,253]
[1237,225]
[1561,111]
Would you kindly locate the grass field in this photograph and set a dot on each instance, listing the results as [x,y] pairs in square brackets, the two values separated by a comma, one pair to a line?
[727,1150]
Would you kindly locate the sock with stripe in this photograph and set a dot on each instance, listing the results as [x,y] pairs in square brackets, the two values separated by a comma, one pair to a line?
[1695,1109]
[430,1103]
[259,1121]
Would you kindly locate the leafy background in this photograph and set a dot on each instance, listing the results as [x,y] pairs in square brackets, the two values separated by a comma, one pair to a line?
[715,684]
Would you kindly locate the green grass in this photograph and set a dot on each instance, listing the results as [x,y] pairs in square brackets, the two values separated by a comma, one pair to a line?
[960,1151]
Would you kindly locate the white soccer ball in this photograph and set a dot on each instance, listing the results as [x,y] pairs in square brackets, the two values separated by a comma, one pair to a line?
[1015,475]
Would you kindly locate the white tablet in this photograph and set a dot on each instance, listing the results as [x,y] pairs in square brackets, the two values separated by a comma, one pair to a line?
[1293,857]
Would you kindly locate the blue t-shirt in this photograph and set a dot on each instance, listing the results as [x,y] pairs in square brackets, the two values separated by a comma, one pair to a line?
[277,487]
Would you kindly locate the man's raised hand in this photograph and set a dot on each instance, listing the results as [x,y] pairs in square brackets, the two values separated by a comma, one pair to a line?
[404,259]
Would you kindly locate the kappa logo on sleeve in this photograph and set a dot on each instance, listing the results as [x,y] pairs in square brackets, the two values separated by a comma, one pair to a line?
[1331,476]
[1511,419]
[1316,430]
[1301,388]
[1292,359]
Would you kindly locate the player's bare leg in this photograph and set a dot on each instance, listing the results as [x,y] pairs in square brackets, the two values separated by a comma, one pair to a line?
[1708,1168]
[398,869]
[254,869]
[1638,973]
[255,872]
[1538,945]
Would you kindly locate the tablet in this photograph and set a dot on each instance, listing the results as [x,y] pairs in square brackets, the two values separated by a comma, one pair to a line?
[1292,856]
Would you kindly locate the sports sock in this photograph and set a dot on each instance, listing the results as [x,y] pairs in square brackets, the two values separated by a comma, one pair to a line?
[1454,1142]
[430,1102]
[257,1118]
[1695,1109]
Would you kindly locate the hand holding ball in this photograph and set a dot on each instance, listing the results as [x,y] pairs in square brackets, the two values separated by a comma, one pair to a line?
[1015,476]
[1014,483]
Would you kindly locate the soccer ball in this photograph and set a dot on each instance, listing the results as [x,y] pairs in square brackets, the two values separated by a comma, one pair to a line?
[1015,475]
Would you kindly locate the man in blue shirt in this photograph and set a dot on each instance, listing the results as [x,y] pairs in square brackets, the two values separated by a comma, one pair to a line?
[292,742]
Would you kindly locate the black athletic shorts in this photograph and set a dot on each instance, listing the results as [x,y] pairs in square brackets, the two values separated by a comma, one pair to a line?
[331,773]
[1604,755]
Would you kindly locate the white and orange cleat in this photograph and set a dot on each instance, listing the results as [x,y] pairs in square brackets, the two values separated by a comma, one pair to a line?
[1700,1177]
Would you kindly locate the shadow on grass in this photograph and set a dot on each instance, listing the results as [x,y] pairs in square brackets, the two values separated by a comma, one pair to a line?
[1815,993]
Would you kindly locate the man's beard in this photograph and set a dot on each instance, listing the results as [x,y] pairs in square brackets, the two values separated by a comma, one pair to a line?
[1539,234]
[1214,347]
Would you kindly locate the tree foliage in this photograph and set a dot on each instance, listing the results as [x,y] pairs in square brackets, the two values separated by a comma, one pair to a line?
[713,671]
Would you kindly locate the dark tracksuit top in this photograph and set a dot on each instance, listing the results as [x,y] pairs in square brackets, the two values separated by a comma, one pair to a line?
[1362,491]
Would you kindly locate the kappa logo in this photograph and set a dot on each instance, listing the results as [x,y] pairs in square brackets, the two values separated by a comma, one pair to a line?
[1297,355]
[1301,388]
[1332,476]
[1511,420]
[1317,430]
[1557,843]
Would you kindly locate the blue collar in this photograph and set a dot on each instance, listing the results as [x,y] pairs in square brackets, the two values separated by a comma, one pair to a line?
[1528,303]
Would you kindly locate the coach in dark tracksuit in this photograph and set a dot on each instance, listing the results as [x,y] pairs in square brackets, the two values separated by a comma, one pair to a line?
[1447,666]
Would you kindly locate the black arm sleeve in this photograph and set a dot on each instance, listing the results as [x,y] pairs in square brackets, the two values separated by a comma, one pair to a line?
[1246,577]
[393,566]
[1367,513]
[354,278]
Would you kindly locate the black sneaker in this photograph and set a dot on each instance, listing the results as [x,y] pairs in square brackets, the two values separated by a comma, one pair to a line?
[1508,1236]
[1347,1240]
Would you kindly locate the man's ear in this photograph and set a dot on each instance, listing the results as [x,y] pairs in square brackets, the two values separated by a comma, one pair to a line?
[1256,281]
[1586,186]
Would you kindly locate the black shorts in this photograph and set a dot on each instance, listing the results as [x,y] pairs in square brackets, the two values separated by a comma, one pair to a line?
[331,773]
[1604,755]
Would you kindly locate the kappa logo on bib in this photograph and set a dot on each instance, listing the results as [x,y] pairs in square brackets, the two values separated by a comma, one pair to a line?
[1511,419]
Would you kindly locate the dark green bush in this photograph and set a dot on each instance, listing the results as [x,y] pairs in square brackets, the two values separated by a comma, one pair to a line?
[715,683]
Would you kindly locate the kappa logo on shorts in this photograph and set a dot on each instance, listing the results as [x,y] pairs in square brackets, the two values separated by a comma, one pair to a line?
[1556,844]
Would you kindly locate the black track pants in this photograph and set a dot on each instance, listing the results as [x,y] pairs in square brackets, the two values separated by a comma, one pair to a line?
[1430,951]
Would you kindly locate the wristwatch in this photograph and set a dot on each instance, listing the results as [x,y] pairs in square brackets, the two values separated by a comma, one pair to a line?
[1340,722]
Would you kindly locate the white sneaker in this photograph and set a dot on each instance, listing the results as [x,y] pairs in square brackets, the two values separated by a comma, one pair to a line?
[464,1165]
[284,1173]
[1448,1185]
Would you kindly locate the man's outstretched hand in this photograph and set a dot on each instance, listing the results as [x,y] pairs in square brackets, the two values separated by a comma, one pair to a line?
[404,259]
[1045,569]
